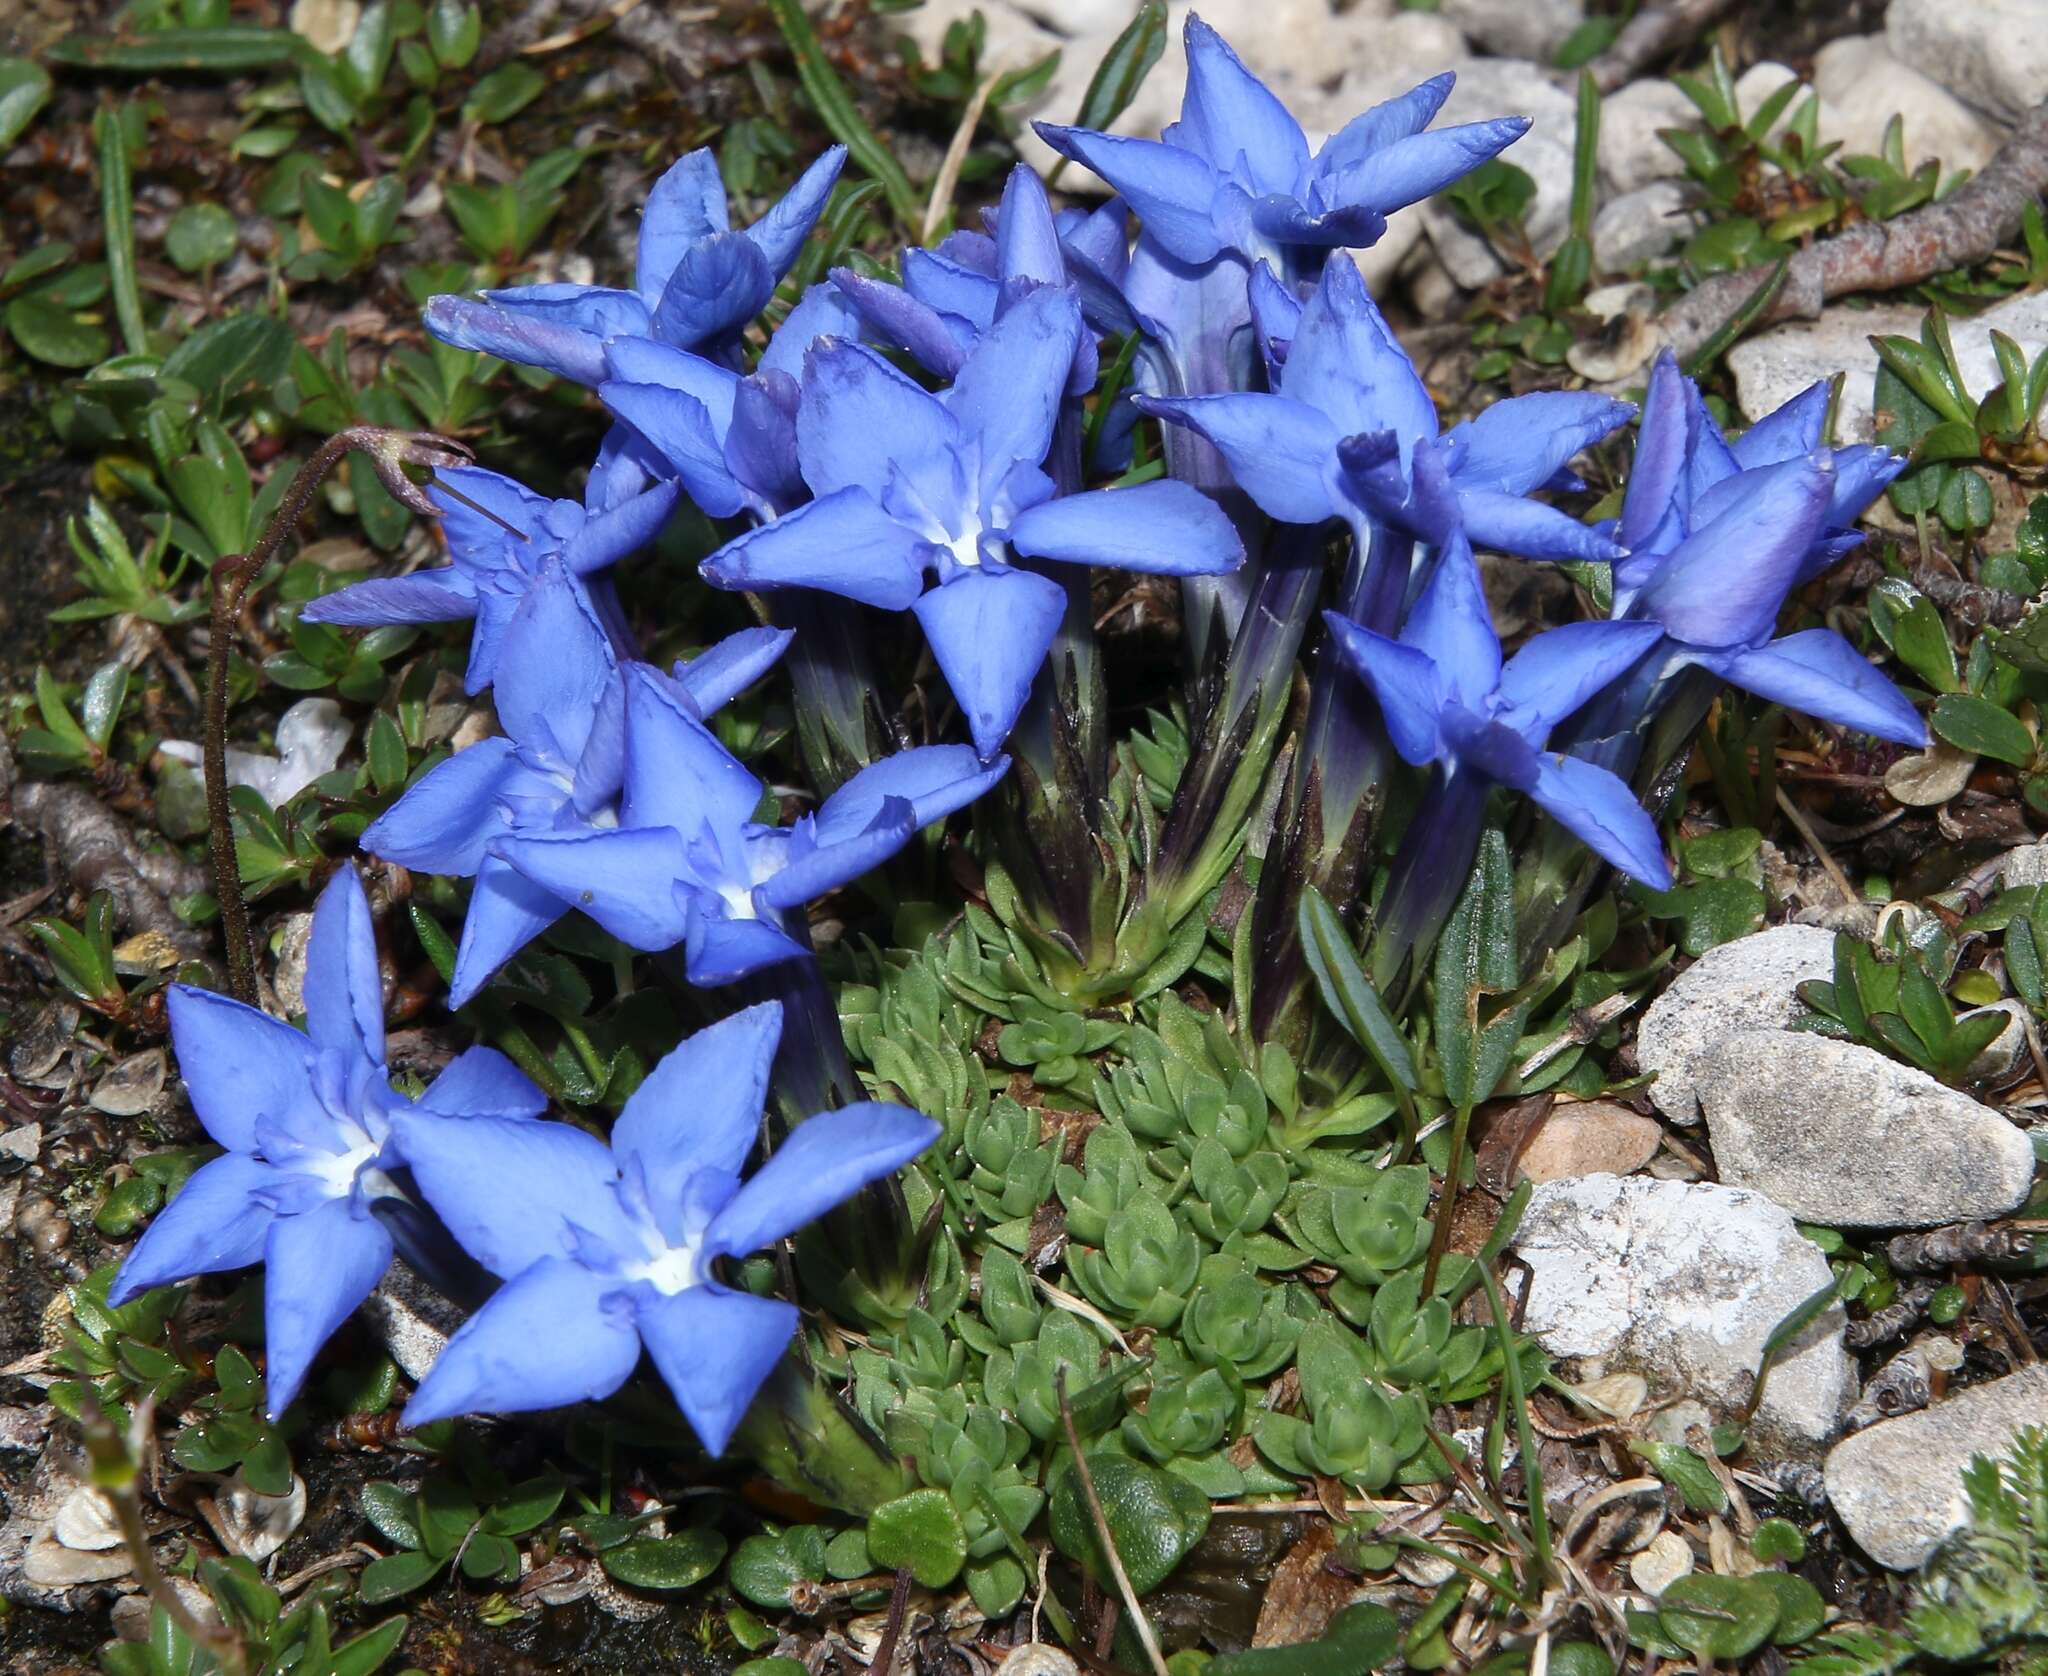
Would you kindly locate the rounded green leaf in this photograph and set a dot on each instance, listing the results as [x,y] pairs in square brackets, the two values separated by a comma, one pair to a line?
[24,89]
[395,1575]
[1154,1518]
[1718,1617]
[1801,1611]
[54,334]
[1977,725]
[670,1562]
[922,1531]
[1778,1539]
[200,236]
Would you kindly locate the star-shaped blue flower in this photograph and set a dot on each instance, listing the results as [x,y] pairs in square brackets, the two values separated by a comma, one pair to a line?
[910,484]
[497,553]
[1448,700]
[307,1121]
[1339,436]
[605,1250]
[690,861]
[697,286]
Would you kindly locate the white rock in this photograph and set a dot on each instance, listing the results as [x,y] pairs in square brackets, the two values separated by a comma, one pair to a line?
[1683,1282]
[1489,87]
[413,1319]
[1773,368]
[254,1525]
[1639,227]
[1862,87]
[1898,1485]
[1840,1135]
[1756,85]
[87,1521]
[50,1565]
[2027,864]
[310,738]
[1991,53]
[1597,1137]
[1657,1567]
[1631,120]
[328,25]
[1517,28]
[1749,984]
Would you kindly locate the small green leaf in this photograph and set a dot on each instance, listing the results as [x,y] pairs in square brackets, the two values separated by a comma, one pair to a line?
[1977,725]
[1718,1617]
[1679,1467]
[395,1575]
[201,236]
[504,93]
[1154,1518]
[1348,992]
[24,90]
[54,334]
[666,1563]
[455,29]
[922,1531]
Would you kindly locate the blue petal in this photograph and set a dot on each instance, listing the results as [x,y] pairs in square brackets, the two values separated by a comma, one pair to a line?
[720,673]
[1288,221]
[1651,504]
[494,613]
[513,1190]
[317,1267]
[1165,527]
[1231,115]
[700,1107]
[238,1064]
[811,870]
[1027,238]
[556,1334]
[1510,524]
[780,234]
[558,328]
[893,316]
[682,433]
[824,1161]
[677,773]
[609,535]
[957,291]
[1786,432]
[862,422]
[1009,392]
[1557,671]
[843,543]
[554,667]
[1451,622]
[820,313]
[1346,363]
[443,822]
[1372,132]
[442,595]
[934,779]
[990,631]
[1819,674]
[344,989]
[714,1391]
[1280,451]
[1862,474]
[720,284]
[1598,807]
[761,446]
[1407,171]
[1406,683]
[482,1082]
[624,880]
[683,207]
[218,1221]
[507,911]
[644,361]
[722,950]
[1276,316]
[1520,444]
[1725,583]
[1172,190]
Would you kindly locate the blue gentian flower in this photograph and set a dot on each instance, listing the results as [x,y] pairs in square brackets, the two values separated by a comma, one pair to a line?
[691,862]
[606,1249]
[697,286]
[909,483]
[1339,436]
[307,1122]
[559,766]
[1448,700]
[1234,175]
[1727,531]
[495,555]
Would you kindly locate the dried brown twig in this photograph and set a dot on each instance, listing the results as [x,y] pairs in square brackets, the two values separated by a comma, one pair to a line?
[1967,226]
[1650,34]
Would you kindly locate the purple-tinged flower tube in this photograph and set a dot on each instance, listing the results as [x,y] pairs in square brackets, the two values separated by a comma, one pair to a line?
[697,284]
[606,1250]
[307,1123]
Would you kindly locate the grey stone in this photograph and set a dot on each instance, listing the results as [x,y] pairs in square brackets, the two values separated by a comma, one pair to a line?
[1773,368]
[1517,28]
[1489,87]
[1898,1485]
[1682,1282]
[1632,118]
[1990,53]
[1639,227]
[1749,984]
[1840,1135]
[413,1319]
[2025,865]
[1863,86]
